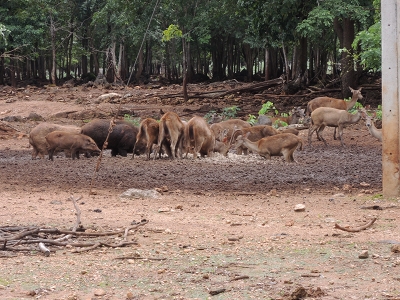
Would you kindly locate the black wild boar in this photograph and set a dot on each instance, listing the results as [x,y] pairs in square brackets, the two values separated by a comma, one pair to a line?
[122,139]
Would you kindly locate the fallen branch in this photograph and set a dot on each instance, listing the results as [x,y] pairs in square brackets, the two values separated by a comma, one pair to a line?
[240,278]
[144,258]
[356,229]
[16,238]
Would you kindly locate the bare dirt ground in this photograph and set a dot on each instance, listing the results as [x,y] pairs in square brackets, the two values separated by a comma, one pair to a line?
[223,226]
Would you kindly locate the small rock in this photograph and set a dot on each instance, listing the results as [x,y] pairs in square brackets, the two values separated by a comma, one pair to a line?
[137,193]
[338,195]
[35,117]
[364,184]
[300,207]
[395,249]
[163,209]
[129,296]
[273,192]
[346,187]
[99,292]
[164,188]
[363,255]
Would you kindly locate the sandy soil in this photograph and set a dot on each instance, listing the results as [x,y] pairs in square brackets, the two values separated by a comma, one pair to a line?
[219,224]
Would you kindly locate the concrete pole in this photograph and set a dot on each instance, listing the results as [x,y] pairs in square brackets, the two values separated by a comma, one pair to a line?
[390,96]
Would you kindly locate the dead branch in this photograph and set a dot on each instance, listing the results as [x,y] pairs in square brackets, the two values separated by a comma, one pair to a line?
[356,229]
[45,250]
[240,278]
[15,238]
[144,258]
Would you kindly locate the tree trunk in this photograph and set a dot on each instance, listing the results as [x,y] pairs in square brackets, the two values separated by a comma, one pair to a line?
[12,73]
[53,50]
[287,69]
[139,66]
[248,54]
[120,61]
[345,32]
[2,69]
[185,68]
[267,65]
[111,62]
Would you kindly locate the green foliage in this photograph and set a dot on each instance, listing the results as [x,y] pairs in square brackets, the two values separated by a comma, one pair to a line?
[267,107]
[379,112]
[251,119]
[171,32]
[356,106]
[230,112]
[279,123]
[369,42]
[131,119]
[209,115]
[3,33]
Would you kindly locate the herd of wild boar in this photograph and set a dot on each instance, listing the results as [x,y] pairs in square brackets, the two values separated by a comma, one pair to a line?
[177,138]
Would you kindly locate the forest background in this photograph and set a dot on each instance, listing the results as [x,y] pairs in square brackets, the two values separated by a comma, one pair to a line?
[308,41]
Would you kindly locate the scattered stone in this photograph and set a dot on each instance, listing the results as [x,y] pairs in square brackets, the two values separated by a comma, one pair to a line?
[35,117]
[364,254]
[137,193]
[129,296]
[395,249]
[299,293]
[338,195]
[364,184]
[346,187]
[99,292]
[56,202]
[273,193]
[300,207]
[13,119]
[107,97]
[216,292]
[163,209]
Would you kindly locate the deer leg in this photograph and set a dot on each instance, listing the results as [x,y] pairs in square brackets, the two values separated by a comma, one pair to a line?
[320,129]
[310,132]
[340,130]
[334,134]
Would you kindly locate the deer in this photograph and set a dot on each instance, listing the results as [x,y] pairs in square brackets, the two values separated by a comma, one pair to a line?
[255,133]
[334,103]
[283,144]
[147,137]
[375,132]
[170,127]
[199,135]
[331,117]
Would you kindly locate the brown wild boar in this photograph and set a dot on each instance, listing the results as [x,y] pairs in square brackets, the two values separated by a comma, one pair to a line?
[75,142]
[147,137]
[199,135]
[231,125]
[37,137]
[170,128]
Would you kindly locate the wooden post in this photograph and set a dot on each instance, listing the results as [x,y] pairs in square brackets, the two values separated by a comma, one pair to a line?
[390,96]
